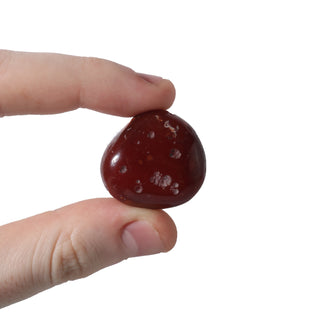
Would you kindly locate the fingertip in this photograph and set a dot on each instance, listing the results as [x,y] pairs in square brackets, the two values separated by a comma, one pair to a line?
[145,225]
[167,229]
[169,92]
[112,88]
[161,222]
[148,92]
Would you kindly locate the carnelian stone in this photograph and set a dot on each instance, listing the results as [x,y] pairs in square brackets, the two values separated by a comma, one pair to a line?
[156,161]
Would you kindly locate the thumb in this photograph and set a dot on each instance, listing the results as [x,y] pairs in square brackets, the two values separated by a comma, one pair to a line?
[72,242]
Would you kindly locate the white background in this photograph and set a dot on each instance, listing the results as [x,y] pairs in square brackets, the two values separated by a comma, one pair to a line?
[247,75]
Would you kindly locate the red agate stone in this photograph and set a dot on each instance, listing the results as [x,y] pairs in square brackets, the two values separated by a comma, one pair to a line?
[156,161]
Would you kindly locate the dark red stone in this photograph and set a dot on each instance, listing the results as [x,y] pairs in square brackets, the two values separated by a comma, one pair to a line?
[156,161]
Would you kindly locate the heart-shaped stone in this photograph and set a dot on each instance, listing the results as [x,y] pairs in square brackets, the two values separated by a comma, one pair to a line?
[156,161]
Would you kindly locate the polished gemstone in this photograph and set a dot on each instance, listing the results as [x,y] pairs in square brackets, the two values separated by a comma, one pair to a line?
[156,161]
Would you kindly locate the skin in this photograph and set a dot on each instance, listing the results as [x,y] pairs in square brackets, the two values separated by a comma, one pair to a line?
[77,240]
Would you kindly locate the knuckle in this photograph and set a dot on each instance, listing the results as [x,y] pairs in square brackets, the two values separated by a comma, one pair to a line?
[69,259]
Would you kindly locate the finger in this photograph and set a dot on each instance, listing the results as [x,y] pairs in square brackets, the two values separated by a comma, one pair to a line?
[44,83]
[75,241]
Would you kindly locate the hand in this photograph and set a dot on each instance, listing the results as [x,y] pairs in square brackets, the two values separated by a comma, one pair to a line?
[72,242]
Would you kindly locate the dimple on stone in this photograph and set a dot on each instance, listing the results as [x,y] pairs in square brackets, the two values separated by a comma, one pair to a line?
[151,134]
[174,191]
[171,128]
[123,169]
[165,181]
[155,178]
[138,188]
[174,188]
[161,180]
[175,153]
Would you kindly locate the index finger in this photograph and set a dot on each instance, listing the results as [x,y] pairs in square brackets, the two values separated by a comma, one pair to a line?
[45,83]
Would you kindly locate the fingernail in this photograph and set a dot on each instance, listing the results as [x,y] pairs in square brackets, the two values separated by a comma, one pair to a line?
[150,78]
[142,239]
